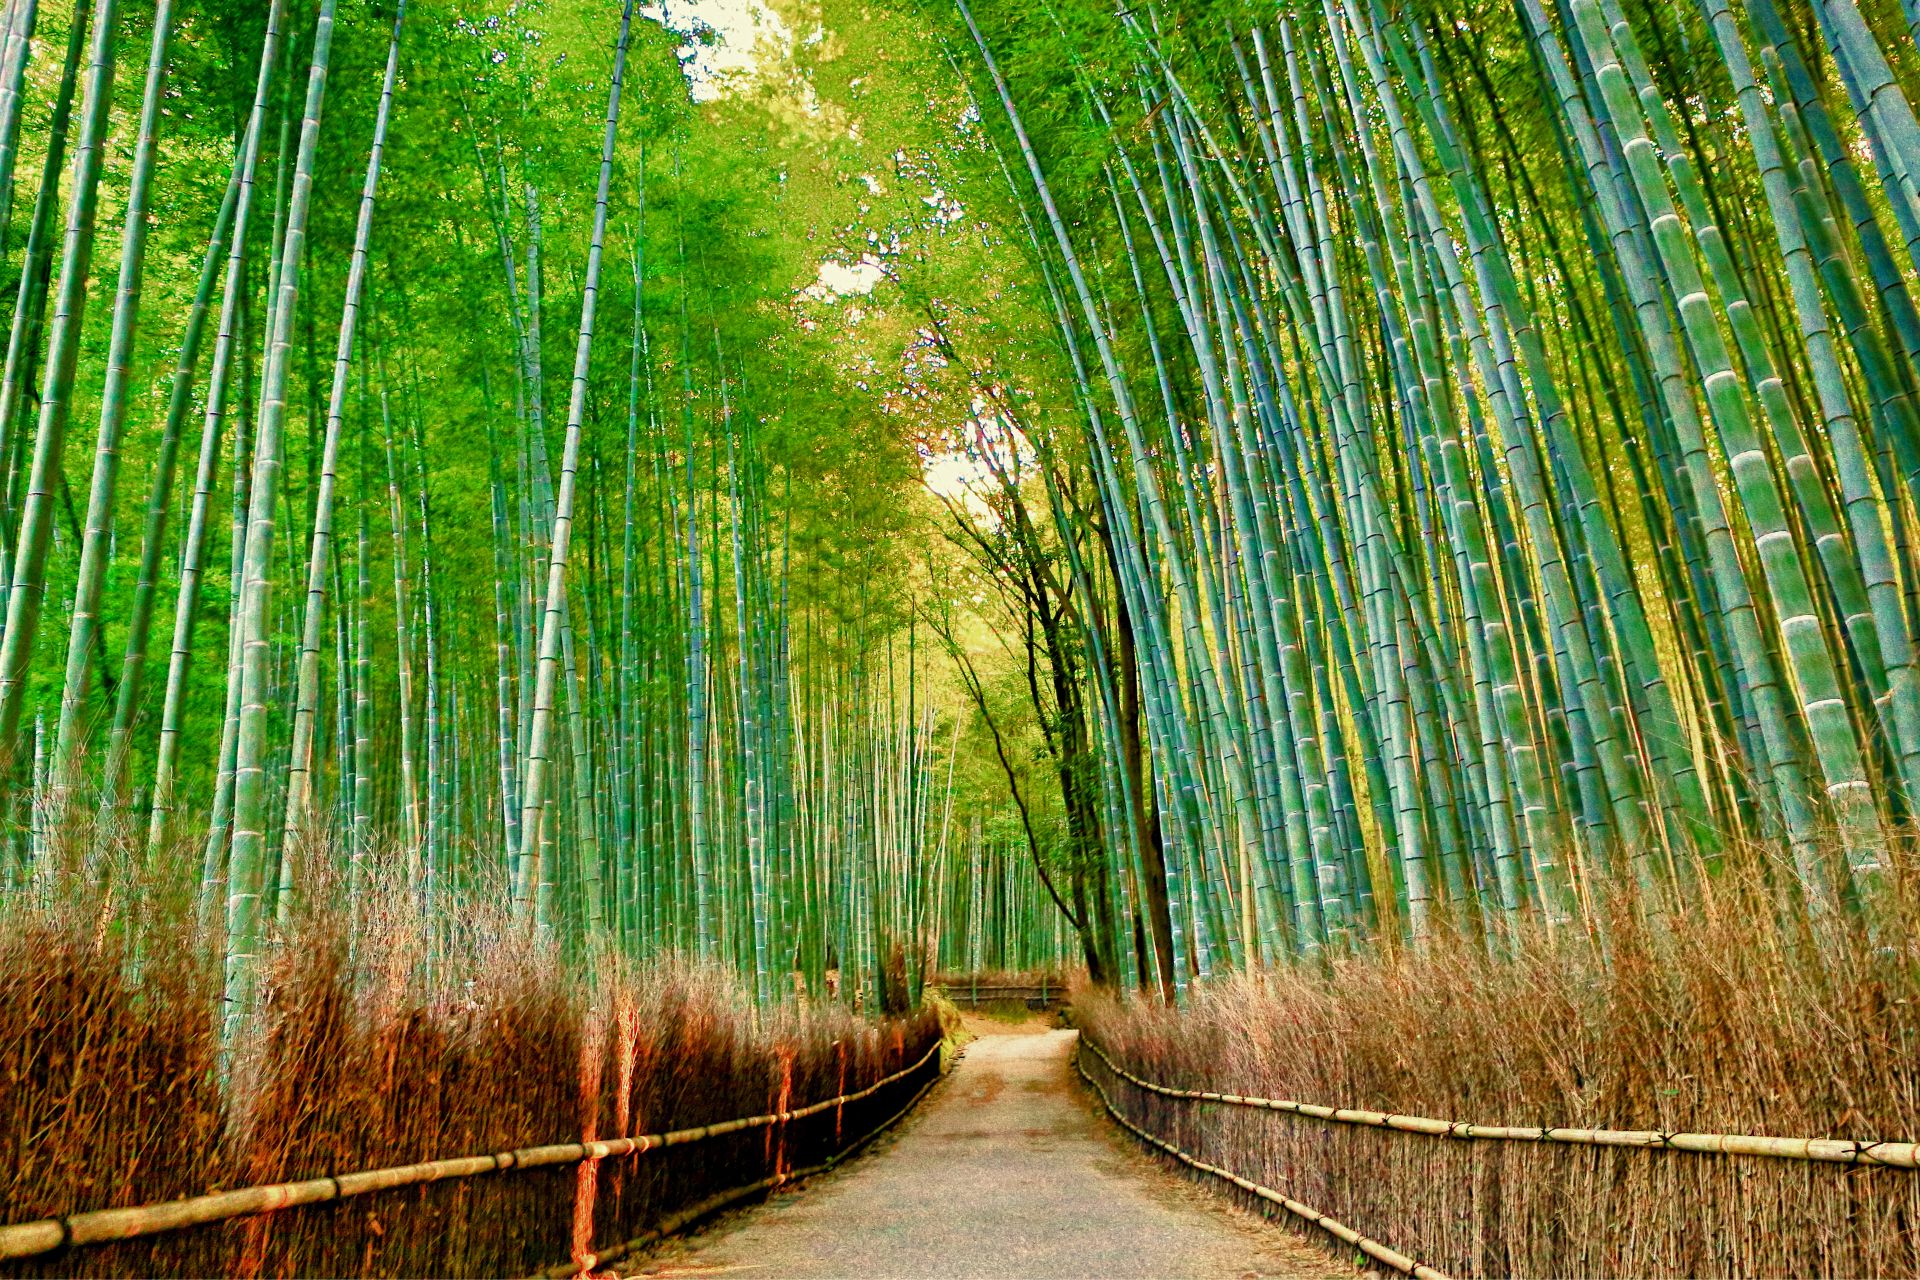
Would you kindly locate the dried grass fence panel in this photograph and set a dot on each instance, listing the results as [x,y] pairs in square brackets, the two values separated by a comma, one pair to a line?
[109,1100]
[1715,1031]
[583,1264]
[1375,1249]
[1547,1209]
[1879,1154]
[102,1226]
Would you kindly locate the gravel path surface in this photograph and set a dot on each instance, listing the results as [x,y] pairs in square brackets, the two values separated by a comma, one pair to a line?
[1005,1170]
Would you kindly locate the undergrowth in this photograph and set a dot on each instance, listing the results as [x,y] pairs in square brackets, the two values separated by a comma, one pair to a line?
[114,1090]
[1718,1021]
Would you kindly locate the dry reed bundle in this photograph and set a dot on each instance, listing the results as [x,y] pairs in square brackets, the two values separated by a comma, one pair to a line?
[1725,1026]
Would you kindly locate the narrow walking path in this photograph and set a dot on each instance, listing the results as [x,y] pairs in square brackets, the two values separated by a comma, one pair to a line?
[1005,1171]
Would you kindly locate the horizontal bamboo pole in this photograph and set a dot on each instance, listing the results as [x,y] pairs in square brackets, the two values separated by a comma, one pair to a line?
[100,1226]
[1366,1244]
[678,1221]
[1888,1155]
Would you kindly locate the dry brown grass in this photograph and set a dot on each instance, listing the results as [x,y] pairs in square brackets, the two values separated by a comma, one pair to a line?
[111,1095]
[1720,1022]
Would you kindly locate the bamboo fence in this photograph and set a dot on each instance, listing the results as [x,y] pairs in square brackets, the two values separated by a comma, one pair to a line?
[102,1226]
[1888,1155]
[721,1200]
[1366,1244]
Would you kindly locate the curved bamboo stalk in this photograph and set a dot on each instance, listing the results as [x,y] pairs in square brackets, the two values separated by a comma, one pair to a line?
[539,747]
[28,583]
[90,580]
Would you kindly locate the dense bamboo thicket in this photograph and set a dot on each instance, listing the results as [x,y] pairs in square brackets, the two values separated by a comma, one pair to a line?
[449,698]
[1490,435]
[994,909]
[1463,455]
[453,418]
[1386,496]
[358,1062]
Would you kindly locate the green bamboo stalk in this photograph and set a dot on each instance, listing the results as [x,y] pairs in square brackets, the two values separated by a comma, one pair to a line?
[90,578]
[307,697]
[28,578]
[247,869]
[533,808]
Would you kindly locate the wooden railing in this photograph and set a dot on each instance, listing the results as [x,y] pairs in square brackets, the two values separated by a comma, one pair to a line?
[970,993]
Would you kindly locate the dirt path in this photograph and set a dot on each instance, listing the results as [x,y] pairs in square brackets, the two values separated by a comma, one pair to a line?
[1004,1171]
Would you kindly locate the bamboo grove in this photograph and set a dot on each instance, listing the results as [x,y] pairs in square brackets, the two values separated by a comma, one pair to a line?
[1438,465]
[1490,430]
[463,550]
[993,911]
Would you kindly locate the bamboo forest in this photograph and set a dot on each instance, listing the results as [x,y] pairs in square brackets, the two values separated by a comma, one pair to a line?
[1317,599]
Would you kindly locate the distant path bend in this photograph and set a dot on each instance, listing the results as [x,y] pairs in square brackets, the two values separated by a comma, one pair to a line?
[1005,1171]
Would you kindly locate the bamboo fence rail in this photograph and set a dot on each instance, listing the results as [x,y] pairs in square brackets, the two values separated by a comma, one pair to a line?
[1889,1155]
[101,1226]
[1036,995]
[1366,1244]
